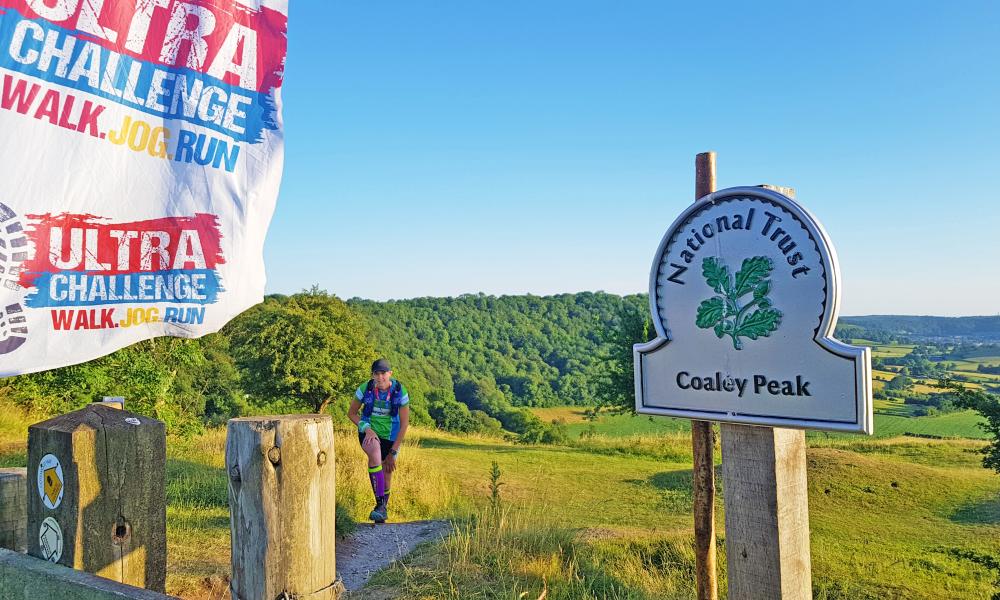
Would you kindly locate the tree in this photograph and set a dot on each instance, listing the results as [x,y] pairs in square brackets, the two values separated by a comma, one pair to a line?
[486,424]
[310,348]
[171,379]
[988,406]
[899,383]
[614,383]
[452,416]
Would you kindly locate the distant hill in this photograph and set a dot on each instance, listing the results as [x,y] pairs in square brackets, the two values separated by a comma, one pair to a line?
[917,328]
[547,350]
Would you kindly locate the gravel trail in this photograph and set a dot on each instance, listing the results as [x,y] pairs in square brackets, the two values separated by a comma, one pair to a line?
[373,547]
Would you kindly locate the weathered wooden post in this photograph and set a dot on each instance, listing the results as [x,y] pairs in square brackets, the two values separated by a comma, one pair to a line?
[767,507]
[767,512]
[97,494]
[282,507]
[703,448]
[744,294]
[13,508]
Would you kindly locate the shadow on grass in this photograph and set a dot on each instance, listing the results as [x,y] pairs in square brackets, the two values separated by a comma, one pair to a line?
[986,512]
[446,444]
[895,412]
[680,480]
[676,495]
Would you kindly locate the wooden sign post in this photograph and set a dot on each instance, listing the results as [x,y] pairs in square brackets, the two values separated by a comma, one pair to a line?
[96,494]
[282,506]
[767,512]
[744,294]
[767,507]
[703,448]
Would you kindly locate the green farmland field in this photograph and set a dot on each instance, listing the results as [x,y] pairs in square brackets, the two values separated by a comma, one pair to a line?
[963,424]
[891,350]
[891,419]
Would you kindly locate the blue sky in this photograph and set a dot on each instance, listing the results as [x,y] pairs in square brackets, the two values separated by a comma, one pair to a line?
[448,147]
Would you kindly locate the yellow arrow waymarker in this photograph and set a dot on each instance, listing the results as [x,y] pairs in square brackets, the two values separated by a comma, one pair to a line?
[53,484]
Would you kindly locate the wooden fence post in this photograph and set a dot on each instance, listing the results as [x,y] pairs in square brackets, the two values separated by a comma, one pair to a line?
[282,503]
[767,508]
[13,508]
[97,495]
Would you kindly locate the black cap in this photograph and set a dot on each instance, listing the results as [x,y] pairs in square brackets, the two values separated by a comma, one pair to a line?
[381,365]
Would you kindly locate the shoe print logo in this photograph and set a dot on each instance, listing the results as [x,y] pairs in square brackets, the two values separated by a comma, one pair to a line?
[13,251]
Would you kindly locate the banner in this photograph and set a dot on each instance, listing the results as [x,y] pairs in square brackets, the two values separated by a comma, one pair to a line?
[140,156]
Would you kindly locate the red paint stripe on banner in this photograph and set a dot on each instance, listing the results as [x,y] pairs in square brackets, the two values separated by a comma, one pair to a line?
[209,36]
[83,243]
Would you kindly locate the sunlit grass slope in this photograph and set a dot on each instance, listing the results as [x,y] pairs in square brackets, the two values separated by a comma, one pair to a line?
[198,506]
[198,541]
[898,518]
[610,516]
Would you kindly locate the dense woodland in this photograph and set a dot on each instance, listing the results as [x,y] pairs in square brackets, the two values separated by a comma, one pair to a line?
[537,351]
[470,363]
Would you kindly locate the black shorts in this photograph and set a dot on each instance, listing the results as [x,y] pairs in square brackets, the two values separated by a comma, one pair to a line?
[386,445]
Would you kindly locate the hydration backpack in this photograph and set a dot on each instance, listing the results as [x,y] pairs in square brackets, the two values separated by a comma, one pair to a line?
[369,398]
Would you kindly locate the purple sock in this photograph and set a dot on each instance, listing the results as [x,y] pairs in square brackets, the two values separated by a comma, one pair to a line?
[377,478]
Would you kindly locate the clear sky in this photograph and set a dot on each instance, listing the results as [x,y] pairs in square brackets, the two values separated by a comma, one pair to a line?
[441,147]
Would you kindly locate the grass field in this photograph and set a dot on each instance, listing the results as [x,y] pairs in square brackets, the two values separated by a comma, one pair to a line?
[976,376]
[892,419]
[952,425]
[889,519]
[965,367]
[971,364]
[608,424]
[609,516]
[968,369]
[198,508]
[891,350]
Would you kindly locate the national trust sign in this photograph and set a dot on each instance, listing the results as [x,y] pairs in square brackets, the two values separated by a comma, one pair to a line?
[744,292]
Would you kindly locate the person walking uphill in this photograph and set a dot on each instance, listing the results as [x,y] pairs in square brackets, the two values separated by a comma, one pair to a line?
[382,422]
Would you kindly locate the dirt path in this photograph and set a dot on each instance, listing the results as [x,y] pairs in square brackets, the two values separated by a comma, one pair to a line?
[373,547]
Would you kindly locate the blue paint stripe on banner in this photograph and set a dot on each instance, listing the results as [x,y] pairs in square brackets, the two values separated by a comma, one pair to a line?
[75,288]
[183,94]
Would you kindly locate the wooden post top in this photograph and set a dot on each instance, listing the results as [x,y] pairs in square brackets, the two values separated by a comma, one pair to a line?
[282,418]
[96,416]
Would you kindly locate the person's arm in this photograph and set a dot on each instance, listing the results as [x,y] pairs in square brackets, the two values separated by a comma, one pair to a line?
[352,413]
[355,418]
[404,422]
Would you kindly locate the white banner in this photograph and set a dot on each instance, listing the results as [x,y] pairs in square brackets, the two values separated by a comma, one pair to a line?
[140,156]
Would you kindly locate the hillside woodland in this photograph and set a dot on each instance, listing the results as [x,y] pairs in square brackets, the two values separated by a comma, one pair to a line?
[474,363]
